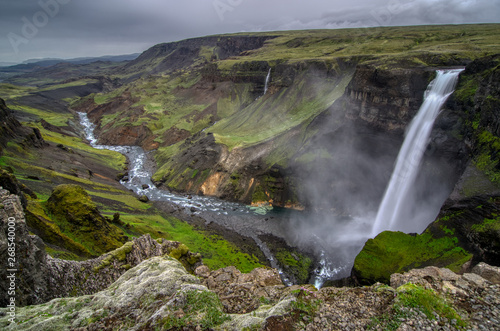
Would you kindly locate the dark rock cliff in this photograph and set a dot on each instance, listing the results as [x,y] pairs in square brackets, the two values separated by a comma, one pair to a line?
[386,99]
[12,130]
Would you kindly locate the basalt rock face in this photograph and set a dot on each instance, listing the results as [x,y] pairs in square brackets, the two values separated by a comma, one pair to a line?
[476,102]
[40,278]
[29,254]
[475,223]
[387,99]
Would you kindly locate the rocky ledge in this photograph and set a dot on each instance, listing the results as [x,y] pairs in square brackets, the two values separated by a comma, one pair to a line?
[160,294]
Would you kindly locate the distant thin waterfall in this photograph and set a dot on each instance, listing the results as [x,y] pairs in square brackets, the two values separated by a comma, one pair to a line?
[412,151]
[268,77]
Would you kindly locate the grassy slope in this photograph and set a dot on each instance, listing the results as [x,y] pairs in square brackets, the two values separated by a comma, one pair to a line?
[385,43]
[273,115]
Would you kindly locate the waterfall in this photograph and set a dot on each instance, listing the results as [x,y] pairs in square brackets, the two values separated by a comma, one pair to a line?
[412,151]
[268,77]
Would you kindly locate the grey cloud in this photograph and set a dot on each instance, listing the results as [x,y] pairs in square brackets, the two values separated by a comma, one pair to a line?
[119,26]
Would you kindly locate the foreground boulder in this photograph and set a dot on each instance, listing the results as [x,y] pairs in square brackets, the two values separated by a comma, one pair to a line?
[242,293]
[157,294]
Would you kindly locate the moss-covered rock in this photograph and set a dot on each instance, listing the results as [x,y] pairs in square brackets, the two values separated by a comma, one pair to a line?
[467,229]
[49,231]
[396,252]
[78,218]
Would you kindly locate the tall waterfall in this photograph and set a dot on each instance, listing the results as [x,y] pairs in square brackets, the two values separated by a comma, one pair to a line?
[412,151]
[268,77]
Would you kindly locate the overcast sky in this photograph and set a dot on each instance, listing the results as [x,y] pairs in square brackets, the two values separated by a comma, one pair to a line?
[75,28]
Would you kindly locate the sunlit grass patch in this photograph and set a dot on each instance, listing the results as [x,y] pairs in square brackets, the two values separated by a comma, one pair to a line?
[216,252]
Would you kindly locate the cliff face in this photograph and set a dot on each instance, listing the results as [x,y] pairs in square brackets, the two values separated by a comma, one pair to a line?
[477,100]
[181,54]
[387,99]
[467,225]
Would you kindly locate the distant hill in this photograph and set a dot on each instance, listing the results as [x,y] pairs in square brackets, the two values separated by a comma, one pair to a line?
[80,60]
[8,70]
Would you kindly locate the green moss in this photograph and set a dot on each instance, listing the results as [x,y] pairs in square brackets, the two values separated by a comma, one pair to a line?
[487,225]
[466,89]
[63,255]
[78,218]
[216,252]
[395,252]
[259,194]
[427,301]
[202,308]
[296,264]
[50,232]
[119,254]
[487,158]
[178,252]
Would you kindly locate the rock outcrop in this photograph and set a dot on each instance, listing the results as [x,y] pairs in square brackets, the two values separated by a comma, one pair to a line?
[466,230]
[41,278]
[239,292]
[386,98]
